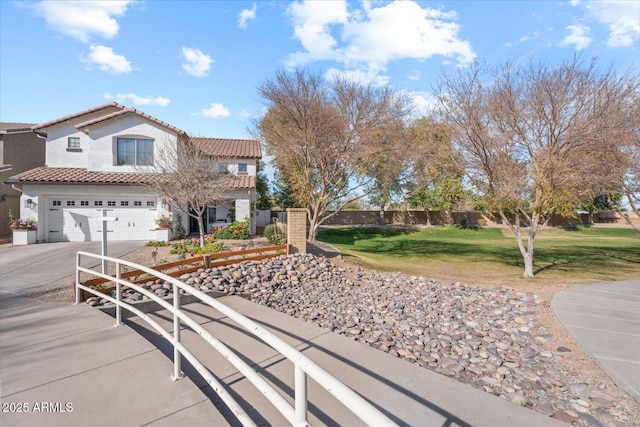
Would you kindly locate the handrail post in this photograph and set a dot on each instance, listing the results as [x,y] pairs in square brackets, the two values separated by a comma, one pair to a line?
[77,278]
[300,396]
[118,294]
[177,357]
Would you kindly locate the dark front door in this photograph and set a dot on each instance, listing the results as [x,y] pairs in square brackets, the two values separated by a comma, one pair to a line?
[193,222]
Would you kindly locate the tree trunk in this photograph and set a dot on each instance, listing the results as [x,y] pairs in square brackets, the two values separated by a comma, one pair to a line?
[527,253]
[201,227]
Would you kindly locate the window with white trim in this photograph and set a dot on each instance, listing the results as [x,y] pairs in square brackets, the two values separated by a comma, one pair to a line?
[84,203]
[57,203]
[242,168]
[124,203]
[97,203]
[71,202]
[151,204]
[111,203]
[134,151]
[137,203]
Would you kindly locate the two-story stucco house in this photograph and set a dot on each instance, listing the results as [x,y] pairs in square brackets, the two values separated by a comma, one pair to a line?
[92,163]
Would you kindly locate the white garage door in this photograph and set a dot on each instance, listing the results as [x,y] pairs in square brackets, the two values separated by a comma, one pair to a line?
[77,219]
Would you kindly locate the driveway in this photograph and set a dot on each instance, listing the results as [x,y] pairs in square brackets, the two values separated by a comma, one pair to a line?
[23,268]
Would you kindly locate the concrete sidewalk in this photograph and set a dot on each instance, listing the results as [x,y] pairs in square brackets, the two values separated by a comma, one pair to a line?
[71,357]
[604,319]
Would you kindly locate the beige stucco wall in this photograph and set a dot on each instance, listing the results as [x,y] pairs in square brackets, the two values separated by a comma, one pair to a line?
[23,151]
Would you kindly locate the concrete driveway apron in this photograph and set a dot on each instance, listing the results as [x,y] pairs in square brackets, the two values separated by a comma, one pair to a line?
[23,268]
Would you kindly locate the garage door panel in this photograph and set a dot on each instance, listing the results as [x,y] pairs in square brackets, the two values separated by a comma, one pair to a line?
[78,219]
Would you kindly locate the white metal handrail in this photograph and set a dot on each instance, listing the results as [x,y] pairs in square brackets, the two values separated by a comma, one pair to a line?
[303,366]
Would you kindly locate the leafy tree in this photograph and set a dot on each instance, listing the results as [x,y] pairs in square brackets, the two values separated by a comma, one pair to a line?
[325,136]
[437,174]
[390,172]
[534,138]
[263,197]
[282,192]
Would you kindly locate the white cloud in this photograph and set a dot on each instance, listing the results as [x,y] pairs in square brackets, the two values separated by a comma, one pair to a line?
[215,110]
[82,19]
[247,15]
[107,60]
[363,75]
[197,63]
[137,99]
[373,36]
[620,16]
[414,75]
[579,36]
[423,103]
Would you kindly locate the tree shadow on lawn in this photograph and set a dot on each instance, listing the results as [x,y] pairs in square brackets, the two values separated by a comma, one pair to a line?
[349,236]
[561,259]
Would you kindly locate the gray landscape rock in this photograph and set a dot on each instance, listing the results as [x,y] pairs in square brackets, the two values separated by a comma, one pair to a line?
[490,338]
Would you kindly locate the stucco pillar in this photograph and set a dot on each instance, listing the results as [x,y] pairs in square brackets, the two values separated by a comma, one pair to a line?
[297,230]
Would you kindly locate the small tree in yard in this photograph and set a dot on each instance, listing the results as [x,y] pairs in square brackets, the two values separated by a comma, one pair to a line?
[326,136]
[437,172]
[190,180]
[537,140]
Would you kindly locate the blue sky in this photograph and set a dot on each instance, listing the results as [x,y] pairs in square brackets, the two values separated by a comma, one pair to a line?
[196,64]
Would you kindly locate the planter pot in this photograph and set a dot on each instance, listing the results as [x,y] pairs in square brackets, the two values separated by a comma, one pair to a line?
[24,237]
[164,234]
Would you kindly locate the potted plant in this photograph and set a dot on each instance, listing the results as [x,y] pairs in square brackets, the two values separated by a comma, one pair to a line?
[164,228]
[24,230]
[164,222]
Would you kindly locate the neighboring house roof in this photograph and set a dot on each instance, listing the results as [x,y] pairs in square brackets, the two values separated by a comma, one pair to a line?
[245,148]
[40,128]
[49,175]
[9,127]
[123,112]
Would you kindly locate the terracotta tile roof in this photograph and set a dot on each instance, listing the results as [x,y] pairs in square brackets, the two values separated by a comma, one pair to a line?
[123,112]
[79,175]
[46,174]
[9,127]
[45,125]
[245,148]
[240,182]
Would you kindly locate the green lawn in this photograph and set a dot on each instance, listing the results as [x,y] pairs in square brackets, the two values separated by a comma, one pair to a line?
[491,255]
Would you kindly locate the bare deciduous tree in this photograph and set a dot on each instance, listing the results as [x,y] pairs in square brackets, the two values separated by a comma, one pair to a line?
[325,136]
[190,179]
[537,139]
[629,149]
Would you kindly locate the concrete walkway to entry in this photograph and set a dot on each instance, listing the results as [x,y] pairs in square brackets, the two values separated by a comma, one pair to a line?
[604,319]
[89,373]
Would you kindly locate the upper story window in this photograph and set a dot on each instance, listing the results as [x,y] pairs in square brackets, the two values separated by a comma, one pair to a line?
[223,168]
[242,168]
[73,142]
[134,151]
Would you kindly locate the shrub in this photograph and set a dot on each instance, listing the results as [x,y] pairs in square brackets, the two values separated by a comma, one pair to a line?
[156,243]
[276,233]
[192,247]
[235,231]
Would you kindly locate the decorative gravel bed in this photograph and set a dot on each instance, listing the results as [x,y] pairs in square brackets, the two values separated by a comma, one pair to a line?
[490,338]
